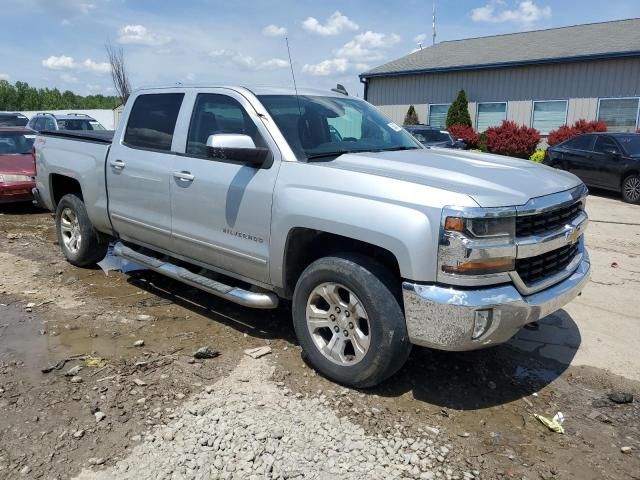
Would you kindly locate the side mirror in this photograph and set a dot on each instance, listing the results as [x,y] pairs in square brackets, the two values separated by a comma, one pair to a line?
[235,147]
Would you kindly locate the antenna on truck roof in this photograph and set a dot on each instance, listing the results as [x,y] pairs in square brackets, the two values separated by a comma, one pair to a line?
[295,87]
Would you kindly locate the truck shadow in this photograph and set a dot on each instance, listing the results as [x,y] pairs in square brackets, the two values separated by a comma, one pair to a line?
[535,357]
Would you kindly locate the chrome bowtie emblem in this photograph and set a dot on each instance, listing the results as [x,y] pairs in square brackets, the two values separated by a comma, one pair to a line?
[573,234]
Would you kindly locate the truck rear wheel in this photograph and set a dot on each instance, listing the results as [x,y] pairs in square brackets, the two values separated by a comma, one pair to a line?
[349,321]
[78,239]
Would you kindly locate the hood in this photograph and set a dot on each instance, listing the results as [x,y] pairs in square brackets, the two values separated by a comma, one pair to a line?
[491,180]
[444,144]
[17,164]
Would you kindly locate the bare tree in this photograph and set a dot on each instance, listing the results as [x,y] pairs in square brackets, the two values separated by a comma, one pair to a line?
[118,71]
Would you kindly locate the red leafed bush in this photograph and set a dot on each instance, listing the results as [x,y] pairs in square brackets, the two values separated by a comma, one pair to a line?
[561,134]
[566,132]
[467,134]
[512,139]
[587,127]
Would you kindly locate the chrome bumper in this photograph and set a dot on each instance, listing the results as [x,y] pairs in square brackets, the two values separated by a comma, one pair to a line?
[443,317]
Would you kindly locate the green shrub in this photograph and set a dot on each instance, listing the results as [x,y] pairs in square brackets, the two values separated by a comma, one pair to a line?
[537,156]
[411,118]
[458,113]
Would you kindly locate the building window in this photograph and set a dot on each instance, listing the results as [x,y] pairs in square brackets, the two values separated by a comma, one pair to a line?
[620,114]
[438,114]
[490,115]
[549,115]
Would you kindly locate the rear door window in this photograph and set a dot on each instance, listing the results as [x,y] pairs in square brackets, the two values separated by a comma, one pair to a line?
[152,121]
[583,142]
[606,144]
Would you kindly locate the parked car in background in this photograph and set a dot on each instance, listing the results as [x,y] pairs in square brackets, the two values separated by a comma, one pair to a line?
[71,121]
[433,137]
[17,166]
[13,119]
[604,160]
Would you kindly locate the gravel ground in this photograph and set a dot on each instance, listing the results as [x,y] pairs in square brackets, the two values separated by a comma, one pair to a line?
[479,405]
[246,426]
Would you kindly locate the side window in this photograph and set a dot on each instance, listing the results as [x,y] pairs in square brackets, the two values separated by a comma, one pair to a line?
[583,142]
[49,124]
[153,120]
[605,144]
[39,124]
[213,114]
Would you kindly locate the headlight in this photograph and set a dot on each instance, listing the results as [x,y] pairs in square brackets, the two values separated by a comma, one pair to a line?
[481,227]
[15,178]
[476,245]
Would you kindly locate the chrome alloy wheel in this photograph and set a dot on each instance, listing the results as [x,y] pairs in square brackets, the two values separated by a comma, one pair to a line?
[70,230]
[338,324]
[632,188]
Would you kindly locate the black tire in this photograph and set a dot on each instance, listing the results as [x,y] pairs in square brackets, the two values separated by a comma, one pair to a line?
[90,249]
[379,293]
[631,188]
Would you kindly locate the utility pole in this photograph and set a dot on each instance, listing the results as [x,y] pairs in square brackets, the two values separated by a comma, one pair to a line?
[434,22]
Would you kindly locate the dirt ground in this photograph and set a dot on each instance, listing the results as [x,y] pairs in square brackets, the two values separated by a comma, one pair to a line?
[481,403]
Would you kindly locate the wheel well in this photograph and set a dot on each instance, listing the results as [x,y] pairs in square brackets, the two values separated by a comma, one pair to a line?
[62,185]
[626,174]
[305,245]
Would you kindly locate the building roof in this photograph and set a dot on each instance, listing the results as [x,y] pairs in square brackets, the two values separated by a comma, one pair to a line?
[620,38]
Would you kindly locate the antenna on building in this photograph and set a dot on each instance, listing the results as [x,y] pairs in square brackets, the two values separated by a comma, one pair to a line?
[295,87]
[434,22]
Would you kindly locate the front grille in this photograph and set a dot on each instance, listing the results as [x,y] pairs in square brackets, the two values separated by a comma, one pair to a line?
[534,269]
[545,222]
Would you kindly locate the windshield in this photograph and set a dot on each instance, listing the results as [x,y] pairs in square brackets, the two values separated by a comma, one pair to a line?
[325,127]
[630,143]
[15,143]
[12,120]
[76,124]
[427,136]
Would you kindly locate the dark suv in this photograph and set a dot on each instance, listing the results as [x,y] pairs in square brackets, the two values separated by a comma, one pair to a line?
[12,119]
[603,160]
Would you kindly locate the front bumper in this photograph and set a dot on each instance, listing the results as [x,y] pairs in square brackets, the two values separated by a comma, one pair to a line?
[443,317]
[16,192]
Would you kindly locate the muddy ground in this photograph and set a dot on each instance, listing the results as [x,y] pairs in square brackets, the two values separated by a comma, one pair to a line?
[481,403]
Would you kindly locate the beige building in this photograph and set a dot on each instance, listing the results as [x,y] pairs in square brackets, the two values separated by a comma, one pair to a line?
[542,78]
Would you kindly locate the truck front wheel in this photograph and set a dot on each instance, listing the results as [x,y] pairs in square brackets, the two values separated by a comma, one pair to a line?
[78,239]
[348,320]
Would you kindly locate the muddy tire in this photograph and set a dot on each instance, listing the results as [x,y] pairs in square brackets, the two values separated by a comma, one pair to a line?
[631,188]
[348,318]
[80,243]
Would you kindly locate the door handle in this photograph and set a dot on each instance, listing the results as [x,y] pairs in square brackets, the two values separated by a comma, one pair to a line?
[117,164]
[184,176]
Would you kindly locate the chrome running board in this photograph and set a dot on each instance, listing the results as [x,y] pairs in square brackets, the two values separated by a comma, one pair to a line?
[233,294]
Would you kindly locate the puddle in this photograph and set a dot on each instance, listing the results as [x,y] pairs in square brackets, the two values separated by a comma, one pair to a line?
[21,341]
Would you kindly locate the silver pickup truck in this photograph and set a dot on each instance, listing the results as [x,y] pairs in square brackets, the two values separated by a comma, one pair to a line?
[258,195]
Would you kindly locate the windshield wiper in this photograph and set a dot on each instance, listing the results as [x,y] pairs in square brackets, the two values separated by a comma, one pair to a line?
[394,149]
[336,153]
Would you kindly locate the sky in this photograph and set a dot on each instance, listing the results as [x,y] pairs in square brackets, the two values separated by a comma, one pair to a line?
[60,43]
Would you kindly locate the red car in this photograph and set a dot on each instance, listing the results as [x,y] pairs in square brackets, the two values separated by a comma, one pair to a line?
[17,166]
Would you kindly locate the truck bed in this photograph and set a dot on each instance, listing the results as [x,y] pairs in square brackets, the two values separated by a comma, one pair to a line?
[99,136]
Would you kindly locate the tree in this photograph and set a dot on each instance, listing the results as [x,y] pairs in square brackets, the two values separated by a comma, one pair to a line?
[119,73]
[21,96]
[458,113]
[411,118]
